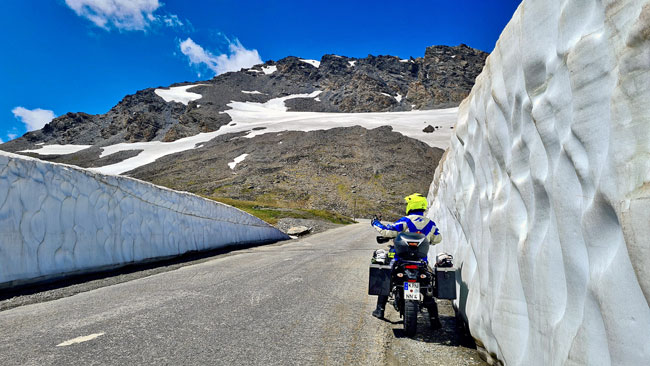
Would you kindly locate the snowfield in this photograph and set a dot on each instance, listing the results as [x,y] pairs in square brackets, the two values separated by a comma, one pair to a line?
[273,117]
[57,219]
[544,196]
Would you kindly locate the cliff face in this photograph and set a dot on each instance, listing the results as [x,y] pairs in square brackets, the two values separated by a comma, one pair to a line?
[543,196]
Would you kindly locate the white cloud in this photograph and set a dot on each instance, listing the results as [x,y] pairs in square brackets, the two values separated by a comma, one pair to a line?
[238,57]
[12,136]
[171,20]
[130,15]
[33,119]
[1,142]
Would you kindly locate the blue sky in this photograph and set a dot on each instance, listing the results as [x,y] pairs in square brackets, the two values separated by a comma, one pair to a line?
[85,55]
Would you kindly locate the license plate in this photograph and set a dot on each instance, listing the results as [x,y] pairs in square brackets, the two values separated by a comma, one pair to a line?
[411,291]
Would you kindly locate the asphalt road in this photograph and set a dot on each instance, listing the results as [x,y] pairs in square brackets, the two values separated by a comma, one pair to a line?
[302,302]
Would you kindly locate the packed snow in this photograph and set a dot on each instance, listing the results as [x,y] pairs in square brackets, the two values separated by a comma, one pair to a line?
[398,98]
[237,160]
[544,196]
[274,117]
[268,70]
[251,92]
[314,63]
[57,219]
[55,149]
[352,63]
[179,94]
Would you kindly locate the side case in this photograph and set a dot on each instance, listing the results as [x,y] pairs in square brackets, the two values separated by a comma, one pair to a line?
[379,280]
[446,283]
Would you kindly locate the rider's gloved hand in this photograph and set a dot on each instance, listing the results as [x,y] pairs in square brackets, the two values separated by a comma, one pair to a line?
[374,221]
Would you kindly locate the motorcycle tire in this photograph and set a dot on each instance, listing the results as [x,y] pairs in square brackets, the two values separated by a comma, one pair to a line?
[410,317]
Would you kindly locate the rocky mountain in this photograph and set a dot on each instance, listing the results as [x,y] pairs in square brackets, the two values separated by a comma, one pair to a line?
[320,169]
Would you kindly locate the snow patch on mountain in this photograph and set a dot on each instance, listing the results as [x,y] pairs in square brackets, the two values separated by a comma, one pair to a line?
[268,70]
[275,104]
[314,63]
[237,160]
[179,94]
[56,149]
[251,92]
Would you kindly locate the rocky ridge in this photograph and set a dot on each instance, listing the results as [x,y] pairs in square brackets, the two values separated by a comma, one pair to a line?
[440,79]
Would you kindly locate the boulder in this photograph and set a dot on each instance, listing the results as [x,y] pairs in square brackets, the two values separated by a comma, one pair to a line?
[299,230]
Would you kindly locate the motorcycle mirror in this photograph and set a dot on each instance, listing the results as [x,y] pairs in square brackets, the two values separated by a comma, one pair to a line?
[382,240]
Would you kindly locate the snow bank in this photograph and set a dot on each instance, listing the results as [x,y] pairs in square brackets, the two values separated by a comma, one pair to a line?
[178,94]
[57,219]
[544,195]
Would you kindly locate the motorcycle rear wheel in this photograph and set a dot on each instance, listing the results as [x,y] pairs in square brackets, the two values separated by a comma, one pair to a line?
[410,317]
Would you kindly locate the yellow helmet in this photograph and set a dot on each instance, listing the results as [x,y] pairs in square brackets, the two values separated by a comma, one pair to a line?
[415,201]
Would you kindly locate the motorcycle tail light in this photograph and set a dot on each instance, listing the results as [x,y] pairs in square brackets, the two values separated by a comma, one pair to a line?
[412,280]
[413,243]
[412,266]
[400,275]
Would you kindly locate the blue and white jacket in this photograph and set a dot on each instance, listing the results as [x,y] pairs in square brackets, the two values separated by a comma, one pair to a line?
[416,222]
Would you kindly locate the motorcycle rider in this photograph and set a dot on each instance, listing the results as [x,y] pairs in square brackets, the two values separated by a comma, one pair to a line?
[413,222]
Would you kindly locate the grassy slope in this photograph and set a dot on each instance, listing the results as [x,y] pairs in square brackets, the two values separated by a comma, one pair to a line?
[272,213]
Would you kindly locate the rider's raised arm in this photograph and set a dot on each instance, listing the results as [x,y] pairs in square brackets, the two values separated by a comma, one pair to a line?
[389,230]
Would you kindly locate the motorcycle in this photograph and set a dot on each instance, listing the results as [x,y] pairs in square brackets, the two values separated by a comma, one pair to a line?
[412,282]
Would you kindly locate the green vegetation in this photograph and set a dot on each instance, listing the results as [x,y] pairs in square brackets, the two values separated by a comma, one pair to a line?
[272,212]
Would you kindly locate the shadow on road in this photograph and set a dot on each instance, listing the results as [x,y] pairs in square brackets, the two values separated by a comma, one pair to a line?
[392,322]
[453,332]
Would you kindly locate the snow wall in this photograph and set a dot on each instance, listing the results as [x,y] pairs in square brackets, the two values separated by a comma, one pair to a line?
[57,219]
[544,195]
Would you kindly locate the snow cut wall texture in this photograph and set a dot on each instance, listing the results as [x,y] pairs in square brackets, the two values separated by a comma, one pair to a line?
[57,219]
[544,195]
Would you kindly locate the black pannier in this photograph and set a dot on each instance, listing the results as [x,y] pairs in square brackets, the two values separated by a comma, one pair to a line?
[379,280]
